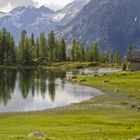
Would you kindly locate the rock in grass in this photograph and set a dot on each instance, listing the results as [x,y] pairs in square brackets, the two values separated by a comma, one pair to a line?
[138,108]
[82,80]
[133,106]
[136,138]
[129,127]
[116,90]
[74,77]
[95,75]
[105,81]
[36,134]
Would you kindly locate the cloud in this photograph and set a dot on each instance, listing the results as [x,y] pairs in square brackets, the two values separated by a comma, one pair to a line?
[53,4]
[7,5]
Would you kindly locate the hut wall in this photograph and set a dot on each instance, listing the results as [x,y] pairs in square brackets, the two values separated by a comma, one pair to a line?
[135,66]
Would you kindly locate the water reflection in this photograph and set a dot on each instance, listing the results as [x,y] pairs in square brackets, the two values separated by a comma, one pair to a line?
[28,90]
[7,85]
[28,81]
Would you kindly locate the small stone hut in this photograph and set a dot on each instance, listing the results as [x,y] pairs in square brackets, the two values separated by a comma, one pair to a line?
[134,59]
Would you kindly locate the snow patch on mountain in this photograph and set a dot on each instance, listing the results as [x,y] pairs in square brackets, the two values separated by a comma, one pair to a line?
[40,19]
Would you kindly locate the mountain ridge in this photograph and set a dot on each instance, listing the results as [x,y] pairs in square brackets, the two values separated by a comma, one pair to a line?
[38,20]
[114,24]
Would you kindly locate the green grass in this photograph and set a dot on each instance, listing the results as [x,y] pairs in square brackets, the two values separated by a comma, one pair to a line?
[69,65]
[58,65]
[113,116]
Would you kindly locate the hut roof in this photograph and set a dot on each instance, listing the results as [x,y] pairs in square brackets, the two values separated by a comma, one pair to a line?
[134,56]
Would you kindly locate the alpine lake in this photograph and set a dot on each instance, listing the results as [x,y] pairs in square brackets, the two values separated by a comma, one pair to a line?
[35,90]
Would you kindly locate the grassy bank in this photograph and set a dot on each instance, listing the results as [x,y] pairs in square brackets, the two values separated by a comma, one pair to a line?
[58,65]
[113,116]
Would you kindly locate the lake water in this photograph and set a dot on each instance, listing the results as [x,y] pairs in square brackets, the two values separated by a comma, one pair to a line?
[32,90]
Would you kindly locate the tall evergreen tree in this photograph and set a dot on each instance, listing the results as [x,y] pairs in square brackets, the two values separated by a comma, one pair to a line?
[63,50]
[26,50]
[73,55]
[110,56]
[92,53]
[21,46]
[51,45]
[7,47]
[95,52]
[32,39]
[12,50]
[43,46]
[82,52]
[116,58]
[37,49]
[103,57]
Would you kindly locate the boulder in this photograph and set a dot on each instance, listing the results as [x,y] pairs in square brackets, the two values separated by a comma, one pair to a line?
[95,75]
[136,138]
[105,81]
[116,90]
[36,134]
[138,108]
[82,80]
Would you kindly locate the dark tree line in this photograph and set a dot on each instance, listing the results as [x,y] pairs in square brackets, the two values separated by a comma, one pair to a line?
[91,53]
[49,49]
[7,47]
[41,48]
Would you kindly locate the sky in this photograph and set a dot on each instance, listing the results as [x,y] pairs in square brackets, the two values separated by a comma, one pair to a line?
[7,5]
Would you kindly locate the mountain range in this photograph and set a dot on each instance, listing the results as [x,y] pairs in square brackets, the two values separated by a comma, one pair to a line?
[40,19]
[112,23]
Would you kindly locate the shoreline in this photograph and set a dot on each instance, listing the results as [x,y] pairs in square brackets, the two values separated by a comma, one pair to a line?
[59,65]
[112,116]
[100,88]
[60,107]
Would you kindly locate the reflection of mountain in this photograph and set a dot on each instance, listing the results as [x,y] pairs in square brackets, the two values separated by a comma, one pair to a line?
[29,82]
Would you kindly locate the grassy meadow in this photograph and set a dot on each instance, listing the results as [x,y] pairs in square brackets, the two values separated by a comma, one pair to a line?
[113,116]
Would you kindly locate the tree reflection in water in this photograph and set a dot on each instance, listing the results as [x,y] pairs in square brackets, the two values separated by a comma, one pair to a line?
[29,82]
[7,85]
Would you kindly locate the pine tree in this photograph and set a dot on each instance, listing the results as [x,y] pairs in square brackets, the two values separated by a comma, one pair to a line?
[73,55]
[75,52]
[26,52]
[32,39]
[116,58]
[82,52]
[37,49]
[92,53]
[12,50]
[110,56]
[51,45]
[63,50]
[7,47]
[21,46]
[103,57]
[43,46]
[95,52]
[1,49]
